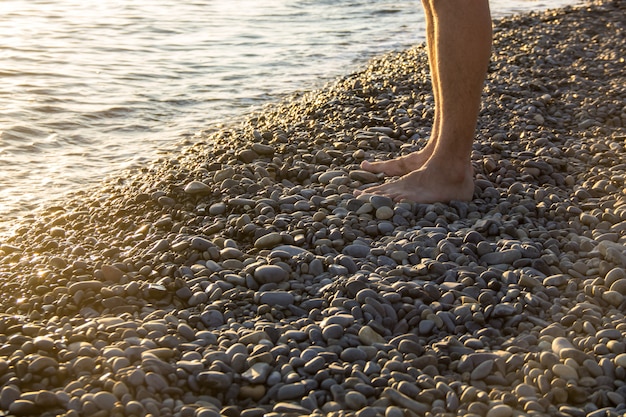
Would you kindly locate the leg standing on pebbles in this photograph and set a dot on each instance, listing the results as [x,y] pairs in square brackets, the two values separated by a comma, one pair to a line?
[459,46]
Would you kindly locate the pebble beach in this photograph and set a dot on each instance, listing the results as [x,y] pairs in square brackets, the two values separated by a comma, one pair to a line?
[241,277]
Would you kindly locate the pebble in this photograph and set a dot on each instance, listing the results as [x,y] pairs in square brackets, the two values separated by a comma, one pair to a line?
[197,187]
[500,410]
[276,298]
[270,274]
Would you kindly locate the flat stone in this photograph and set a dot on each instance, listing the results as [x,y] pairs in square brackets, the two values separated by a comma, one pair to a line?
[270,274]
[364,177]
[276,298]
[268,241]
[356,250]
[293,250]
[91,285]
[401,400]
[291,391]
[507,256]
[10,393]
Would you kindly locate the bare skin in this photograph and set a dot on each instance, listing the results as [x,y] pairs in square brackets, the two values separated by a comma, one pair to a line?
[459,45]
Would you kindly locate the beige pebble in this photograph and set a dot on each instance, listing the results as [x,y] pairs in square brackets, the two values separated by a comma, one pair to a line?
[619,286]
[564,371]
[369,336]
[525,390]
[613,297]
[384,213]
[620,360]
[500,410]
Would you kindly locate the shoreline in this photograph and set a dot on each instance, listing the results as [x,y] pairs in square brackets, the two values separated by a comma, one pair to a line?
[242,278]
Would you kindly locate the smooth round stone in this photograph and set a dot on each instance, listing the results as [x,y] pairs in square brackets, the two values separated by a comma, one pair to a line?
[614,275]
[565,371]
[426,326]
[44,343]
[384,213]
[500,410]
[369,336]
[213,379]
[201,244]
[352,354]
[42,362]
[278,298]
[111,273]
[573,353]
[410,346]
[355,400]
[555,280]
[378,201]
[218,208]
[326,177]
[368,412]
[104,400]
[356,250]
[614,298]
[620,360]
[507,256]
[314,365]
[613,334]
[268,241]
[394,411]
[525,390]
[561,343]
[91,285]
[207,412]
[291,391]
[385,227]
[619,286]
[270,274]
[197,187]
[212,318]
[186,331]
[23,408]
[364,177]
[293,250]
[332,331]
[482,370]
[231,253]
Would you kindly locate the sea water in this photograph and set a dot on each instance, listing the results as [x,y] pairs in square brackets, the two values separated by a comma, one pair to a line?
[90,87]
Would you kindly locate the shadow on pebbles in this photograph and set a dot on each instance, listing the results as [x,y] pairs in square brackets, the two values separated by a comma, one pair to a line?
[242,278]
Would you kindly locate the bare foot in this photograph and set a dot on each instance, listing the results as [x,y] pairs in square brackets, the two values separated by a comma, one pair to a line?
[399,166]
[428,185]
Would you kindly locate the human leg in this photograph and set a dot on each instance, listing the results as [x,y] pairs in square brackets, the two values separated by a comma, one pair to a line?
[462,46]
[407,163]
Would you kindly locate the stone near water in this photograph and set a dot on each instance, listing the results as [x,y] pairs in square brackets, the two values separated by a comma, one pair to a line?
[197,187]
